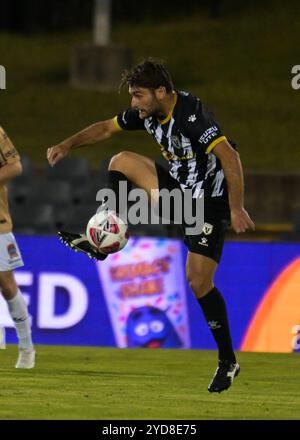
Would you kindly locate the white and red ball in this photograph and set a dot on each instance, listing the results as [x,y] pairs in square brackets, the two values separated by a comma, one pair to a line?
[107,232]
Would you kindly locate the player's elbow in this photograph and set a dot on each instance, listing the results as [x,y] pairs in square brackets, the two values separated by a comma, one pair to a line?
[16,169]
[19,168]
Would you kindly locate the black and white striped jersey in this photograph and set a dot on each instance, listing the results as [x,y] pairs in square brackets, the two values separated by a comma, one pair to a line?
[186,138]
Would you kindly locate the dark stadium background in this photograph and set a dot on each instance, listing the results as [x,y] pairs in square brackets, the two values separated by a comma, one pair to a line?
[237,56]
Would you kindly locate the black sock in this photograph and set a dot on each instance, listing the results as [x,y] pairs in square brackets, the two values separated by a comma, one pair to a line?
[113,182]
[214,309]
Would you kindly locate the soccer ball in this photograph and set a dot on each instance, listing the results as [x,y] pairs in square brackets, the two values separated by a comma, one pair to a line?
[107,232]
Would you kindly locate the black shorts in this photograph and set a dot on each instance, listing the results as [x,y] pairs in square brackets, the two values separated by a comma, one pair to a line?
[209,242]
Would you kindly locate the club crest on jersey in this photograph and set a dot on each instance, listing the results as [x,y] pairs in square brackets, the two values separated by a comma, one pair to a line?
[207,229]
[175,142]
[12,251]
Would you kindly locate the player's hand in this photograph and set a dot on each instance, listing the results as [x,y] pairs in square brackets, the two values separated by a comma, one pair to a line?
[241,221]
[56,153]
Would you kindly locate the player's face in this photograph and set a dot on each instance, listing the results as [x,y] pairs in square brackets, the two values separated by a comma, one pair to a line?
[145,101]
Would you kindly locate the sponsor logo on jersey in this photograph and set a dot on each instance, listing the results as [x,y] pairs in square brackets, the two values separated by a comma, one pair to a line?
[213,325]
[170,156]
[192,118]
[203,242]
[12,251]
[124,118]
[208,134]
[11,153]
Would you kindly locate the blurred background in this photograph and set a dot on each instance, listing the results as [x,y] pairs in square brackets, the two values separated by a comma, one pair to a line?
[236,56]
[62,61]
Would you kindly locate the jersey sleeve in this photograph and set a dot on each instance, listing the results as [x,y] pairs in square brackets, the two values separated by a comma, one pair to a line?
[202,128]
[129,120]
[8,153]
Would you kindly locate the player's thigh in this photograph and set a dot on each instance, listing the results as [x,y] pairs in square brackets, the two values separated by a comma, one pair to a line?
[8,284]
[200,272]
[139,169]
[6,277]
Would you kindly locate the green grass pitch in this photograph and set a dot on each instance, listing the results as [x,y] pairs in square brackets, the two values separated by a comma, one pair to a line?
[128,384]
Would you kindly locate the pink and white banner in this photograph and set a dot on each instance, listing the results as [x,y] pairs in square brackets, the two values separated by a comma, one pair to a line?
[144,288]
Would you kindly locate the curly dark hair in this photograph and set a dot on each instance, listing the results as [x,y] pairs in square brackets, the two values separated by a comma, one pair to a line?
[150,74]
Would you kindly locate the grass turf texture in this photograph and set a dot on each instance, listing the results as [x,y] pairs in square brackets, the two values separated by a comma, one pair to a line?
[107,383]
[240,64]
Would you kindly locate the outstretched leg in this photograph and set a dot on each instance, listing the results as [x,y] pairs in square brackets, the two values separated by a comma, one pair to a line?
[132,168]
[200,274]
[126,167]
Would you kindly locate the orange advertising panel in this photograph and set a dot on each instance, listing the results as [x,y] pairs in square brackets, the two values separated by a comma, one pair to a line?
[275,326]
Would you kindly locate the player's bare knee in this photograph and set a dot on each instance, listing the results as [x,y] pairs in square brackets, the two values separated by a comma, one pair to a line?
[199,284]
[9,290]
[8,285]
[120,161]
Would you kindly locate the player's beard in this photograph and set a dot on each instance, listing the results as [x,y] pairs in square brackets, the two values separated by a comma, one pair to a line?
[143,114]
[153,110]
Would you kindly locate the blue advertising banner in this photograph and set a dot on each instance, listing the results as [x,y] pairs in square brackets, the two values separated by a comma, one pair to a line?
[248,279]
[140,298]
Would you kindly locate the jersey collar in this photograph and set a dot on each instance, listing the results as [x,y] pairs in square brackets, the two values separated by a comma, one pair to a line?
[168,117]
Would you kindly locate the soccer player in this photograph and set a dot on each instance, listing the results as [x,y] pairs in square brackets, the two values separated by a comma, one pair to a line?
[10,257]
[199,157]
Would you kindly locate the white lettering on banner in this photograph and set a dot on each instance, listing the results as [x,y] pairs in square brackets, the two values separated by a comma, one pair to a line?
[78,295]
[23,279]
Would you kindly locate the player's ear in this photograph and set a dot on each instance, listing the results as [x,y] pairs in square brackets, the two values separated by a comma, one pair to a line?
[160,92]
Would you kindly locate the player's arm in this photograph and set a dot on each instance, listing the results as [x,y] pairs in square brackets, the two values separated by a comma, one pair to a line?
[94,133]
[233,172]
[9,171]
[10,164]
